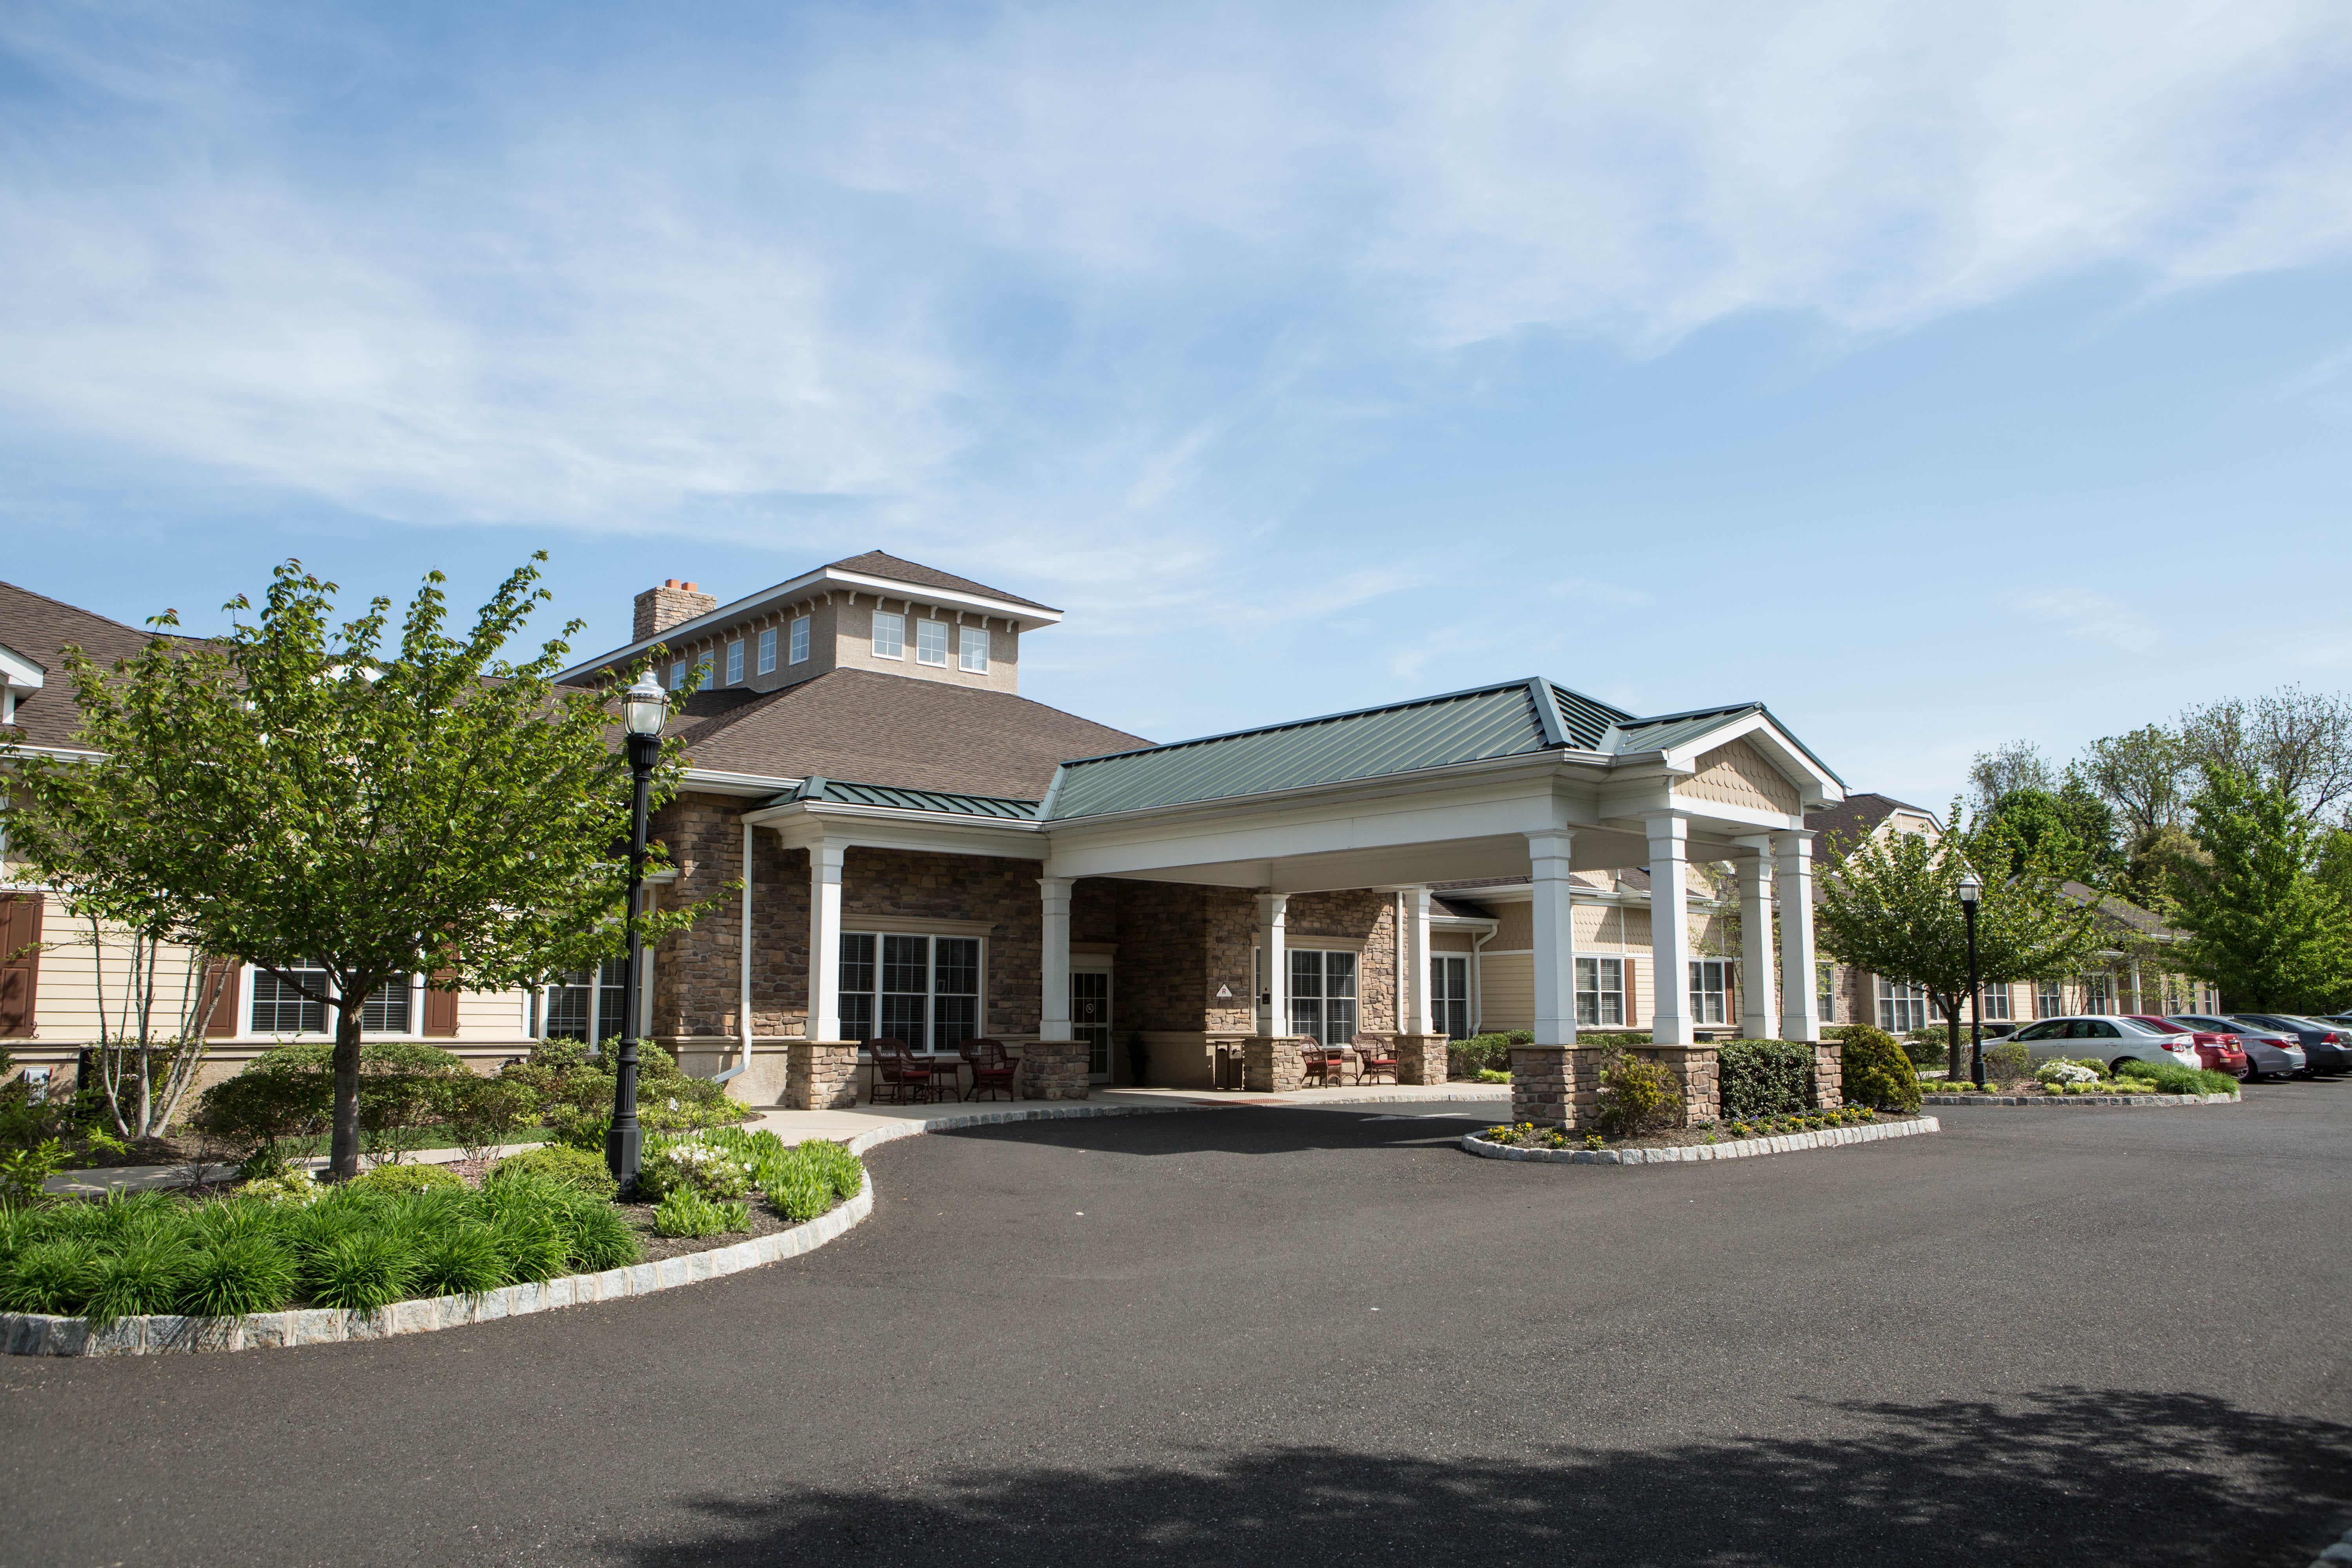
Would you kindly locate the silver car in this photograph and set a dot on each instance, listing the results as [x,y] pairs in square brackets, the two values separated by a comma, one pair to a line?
[2097,1037]
[2269,1052]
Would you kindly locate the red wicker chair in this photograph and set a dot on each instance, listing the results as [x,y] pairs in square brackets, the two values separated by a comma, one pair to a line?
[1328,1068]
[899,1077]
[1374,1056]
[991,1069]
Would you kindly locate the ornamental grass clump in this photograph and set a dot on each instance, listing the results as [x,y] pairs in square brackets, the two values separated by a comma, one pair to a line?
[687,1212]
[354,1247]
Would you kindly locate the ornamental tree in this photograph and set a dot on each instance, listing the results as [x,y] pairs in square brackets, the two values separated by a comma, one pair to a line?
[2266,926]
[305,797]
[1891,906]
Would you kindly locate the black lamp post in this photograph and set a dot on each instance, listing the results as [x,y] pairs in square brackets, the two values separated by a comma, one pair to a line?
[1971,889]
[642,714]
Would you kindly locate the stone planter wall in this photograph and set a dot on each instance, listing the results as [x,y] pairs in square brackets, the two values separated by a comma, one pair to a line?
[1560,1086]
[1829,1075]
[1688,1154]
[820,1074]
[1421,1059]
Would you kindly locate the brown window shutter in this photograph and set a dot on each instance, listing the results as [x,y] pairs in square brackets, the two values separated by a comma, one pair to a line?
[1632,998]
[222,1025]
[20,926]
[440,1010]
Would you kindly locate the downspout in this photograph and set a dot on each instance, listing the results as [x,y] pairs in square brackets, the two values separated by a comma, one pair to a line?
[1478,977]
[744,1002]
[1397,1010]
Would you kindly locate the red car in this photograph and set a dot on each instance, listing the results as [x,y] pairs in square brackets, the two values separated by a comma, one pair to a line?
[2220,1053]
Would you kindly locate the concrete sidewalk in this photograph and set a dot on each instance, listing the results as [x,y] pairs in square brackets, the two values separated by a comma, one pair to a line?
[798,1126]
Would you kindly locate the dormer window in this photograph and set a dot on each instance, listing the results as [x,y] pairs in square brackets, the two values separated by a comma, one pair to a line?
[734,662]
[889,634]
[800,639]
[677,676]
[768,650]
[931,643]
[971,649]
[702,667]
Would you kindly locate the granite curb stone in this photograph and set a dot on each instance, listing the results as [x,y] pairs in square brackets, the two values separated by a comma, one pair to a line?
[36,1333]
[1737,1149]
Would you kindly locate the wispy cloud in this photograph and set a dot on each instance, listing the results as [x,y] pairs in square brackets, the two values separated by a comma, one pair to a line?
[2086,617]
[1104,286]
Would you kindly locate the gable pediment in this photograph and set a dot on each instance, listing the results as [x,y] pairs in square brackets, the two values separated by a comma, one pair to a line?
[1737,773]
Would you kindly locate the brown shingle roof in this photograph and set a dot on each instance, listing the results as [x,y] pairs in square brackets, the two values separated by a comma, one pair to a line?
[866,728]
[878,563]
[1855,819]
[38,628]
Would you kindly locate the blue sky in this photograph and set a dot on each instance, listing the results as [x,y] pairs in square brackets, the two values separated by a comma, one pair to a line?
[1940,376]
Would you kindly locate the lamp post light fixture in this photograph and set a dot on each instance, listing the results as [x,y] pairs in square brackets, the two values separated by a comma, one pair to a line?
[1971,891]
[642,711]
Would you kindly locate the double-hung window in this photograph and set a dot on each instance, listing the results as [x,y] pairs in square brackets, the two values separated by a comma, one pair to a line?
[2095,994]
[386,1011]
[280,1006]
[585,1003]
[2050,1000]
[971,649]
[924,990]
[767,649]
[931,643]
[1323,995]
[1996,1002]
[1599,992]
[702,672]
[1710,985]
[734,662]
[1902,1006]
[1449,996]
[800,639]
[889,634]
[1825,988]
[677,676]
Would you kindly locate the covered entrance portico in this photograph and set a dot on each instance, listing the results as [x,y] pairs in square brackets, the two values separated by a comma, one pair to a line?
[1247,812]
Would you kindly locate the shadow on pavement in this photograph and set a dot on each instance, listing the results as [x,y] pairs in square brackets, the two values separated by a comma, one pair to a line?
[1252,1130]
[2072,1475]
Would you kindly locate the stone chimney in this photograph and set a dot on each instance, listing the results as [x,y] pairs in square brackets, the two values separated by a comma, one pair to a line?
[658,609]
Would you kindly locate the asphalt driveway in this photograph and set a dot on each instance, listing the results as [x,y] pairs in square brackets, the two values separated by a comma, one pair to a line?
[1309,1336]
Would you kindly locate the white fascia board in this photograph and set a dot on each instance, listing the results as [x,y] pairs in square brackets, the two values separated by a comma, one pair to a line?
[824,579]
[1337,794]
[19,673]
[710,781]
[803,824]
[1813,784]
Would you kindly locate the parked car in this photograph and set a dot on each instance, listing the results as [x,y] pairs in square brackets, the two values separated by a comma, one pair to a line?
[2269,1053]
[2108,1038]
[2217,1049]
[2324,1047]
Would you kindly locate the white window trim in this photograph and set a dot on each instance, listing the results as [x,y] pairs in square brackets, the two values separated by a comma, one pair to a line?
[735,662]
[897,636]
[1896,998]
[800,640]
[246,999]
[542,1004]
[924,631]
[1727,970]
[971,649]
[932,934]
[1356,999]
[766,656]
[677,676]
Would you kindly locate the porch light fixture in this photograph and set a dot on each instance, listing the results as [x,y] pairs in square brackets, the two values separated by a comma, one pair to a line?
[642,711]
[1971,891]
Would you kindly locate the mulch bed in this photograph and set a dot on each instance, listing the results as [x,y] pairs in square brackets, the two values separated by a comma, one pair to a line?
[764,1222]
[1681,1137]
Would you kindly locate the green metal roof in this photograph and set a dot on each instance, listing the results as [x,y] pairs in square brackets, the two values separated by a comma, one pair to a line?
[1523,717]
[839,794]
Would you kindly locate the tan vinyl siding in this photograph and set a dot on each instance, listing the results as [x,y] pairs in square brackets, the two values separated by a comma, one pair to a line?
[1506,993]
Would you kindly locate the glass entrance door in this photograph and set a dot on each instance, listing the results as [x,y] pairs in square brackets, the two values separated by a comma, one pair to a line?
[1090,1019]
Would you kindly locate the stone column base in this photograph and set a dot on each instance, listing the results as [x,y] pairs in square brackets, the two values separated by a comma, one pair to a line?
[1543,1084]
[1421,1058]
[1829,1075]
[820,1075]
[1272,1064]
[1055,1069]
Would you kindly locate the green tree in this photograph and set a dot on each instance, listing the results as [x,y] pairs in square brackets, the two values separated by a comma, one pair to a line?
[2070,830]
[2264,925]
[1891,906]
[301,795]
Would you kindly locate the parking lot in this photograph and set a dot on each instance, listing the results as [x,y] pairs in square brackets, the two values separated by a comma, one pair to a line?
[1323,1335]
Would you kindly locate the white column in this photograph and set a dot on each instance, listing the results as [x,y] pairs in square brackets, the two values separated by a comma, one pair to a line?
[1555,938]
[1054,965]
[824,941]
[1670,1023]
[1416,963]
[1273,989]
[1756,1010]
[1801,1007]
[743,1003]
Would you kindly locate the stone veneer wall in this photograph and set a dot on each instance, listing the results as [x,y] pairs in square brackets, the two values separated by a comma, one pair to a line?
[912,885]
[1560,1085]
[1178,942]
[1358,915]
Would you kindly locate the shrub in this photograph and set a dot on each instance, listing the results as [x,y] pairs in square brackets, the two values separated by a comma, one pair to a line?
[1637,1096]
[237,1275]
[360,1272]
[283,1095]
[687,1211]
[484,1113]
[143,1275]
[1480,1053]
[293,1186]
[463,1260]
[1875,1071]
[56,1275]
[2058,1074]
[410,1179]
[1488,1075]
[2011,1061]
[575,1168]
[688,1163]
[1765,1077]
[600,1239]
